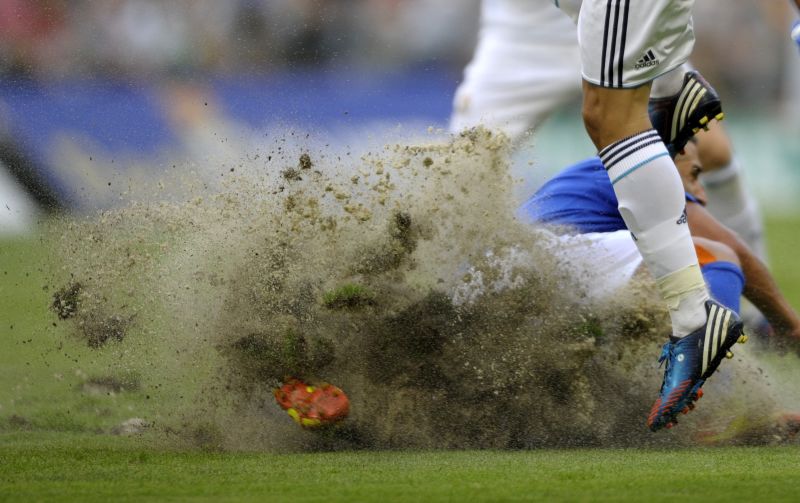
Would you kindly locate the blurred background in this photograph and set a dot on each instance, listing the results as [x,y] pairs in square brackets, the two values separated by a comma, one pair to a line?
[95,95]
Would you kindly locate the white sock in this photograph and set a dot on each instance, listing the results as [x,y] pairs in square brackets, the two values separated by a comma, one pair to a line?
[652,203]
[732,205]
[670,83]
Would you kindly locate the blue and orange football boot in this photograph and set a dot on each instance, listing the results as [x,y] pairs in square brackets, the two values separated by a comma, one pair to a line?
[691,360]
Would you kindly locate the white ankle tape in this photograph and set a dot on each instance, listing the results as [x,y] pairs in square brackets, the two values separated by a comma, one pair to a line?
[675,286]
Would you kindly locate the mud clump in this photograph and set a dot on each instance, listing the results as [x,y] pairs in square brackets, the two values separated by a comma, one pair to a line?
[66,301]
[98,332]
[265,358]
[305,161]
[291,175]
[401,276]
[96,329]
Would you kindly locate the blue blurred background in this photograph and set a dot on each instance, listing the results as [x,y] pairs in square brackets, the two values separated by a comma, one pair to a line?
[94,92]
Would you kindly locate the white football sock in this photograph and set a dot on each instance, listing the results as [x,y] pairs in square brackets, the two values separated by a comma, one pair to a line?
[670,83]
[652,203]
[732,205]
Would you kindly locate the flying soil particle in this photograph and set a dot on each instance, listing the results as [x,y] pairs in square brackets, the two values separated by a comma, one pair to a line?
[66,301]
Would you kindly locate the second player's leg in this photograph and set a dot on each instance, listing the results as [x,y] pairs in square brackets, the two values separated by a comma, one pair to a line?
[728,200]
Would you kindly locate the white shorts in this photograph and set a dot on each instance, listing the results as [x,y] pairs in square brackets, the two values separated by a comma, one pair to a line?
[627,43]
[602,262]
[526,65]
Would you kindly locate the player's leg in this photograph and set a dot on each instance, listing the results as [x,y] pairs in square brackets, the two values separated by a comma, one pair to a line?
[681,104]
[516,110]
[604,263]
[518,75]
[690,361]
[625,45]
[650,195]
[725,279]
[721,271]
[728,200]
[671,100]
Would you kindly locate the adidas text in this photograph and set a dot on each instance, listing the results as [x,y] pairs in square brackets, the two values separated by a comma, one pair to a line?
[645,64]
[649,59]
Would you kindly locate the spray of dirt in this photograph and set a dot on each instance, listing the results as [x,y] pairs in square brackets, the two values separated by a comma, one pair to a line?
[401,276]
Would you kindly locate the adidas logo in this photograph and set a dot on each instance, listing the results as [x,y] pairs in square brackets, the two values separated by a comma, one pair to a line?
[649,59]
[682,220]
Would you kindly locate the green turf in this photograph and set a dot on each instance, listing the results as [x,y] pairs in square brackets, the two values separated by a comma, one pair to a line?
[71,467]
[55,441]
[42,367]
[783,242]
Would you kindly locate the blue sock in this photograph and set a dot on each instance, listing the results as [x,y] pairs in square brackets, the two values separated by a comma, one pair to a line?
[725,281]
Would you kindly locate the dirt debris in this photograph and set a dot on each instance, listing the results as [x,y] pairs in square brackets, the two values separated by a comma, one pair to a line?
[449,323]
[132,426]
[66,301]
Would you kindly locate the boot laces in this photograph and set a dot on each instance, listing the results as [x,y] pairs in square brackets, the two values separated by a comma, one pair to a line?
[667,353]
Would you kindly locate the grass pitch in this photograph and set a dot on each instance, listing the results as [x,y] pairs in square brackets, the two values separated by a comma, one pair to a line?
[73,467]
[55,442]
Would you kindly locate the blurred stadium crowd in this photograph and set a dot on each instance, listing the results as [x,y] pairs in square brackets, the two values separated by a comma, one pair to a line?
[120,79]
[739,43]
[131,38]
